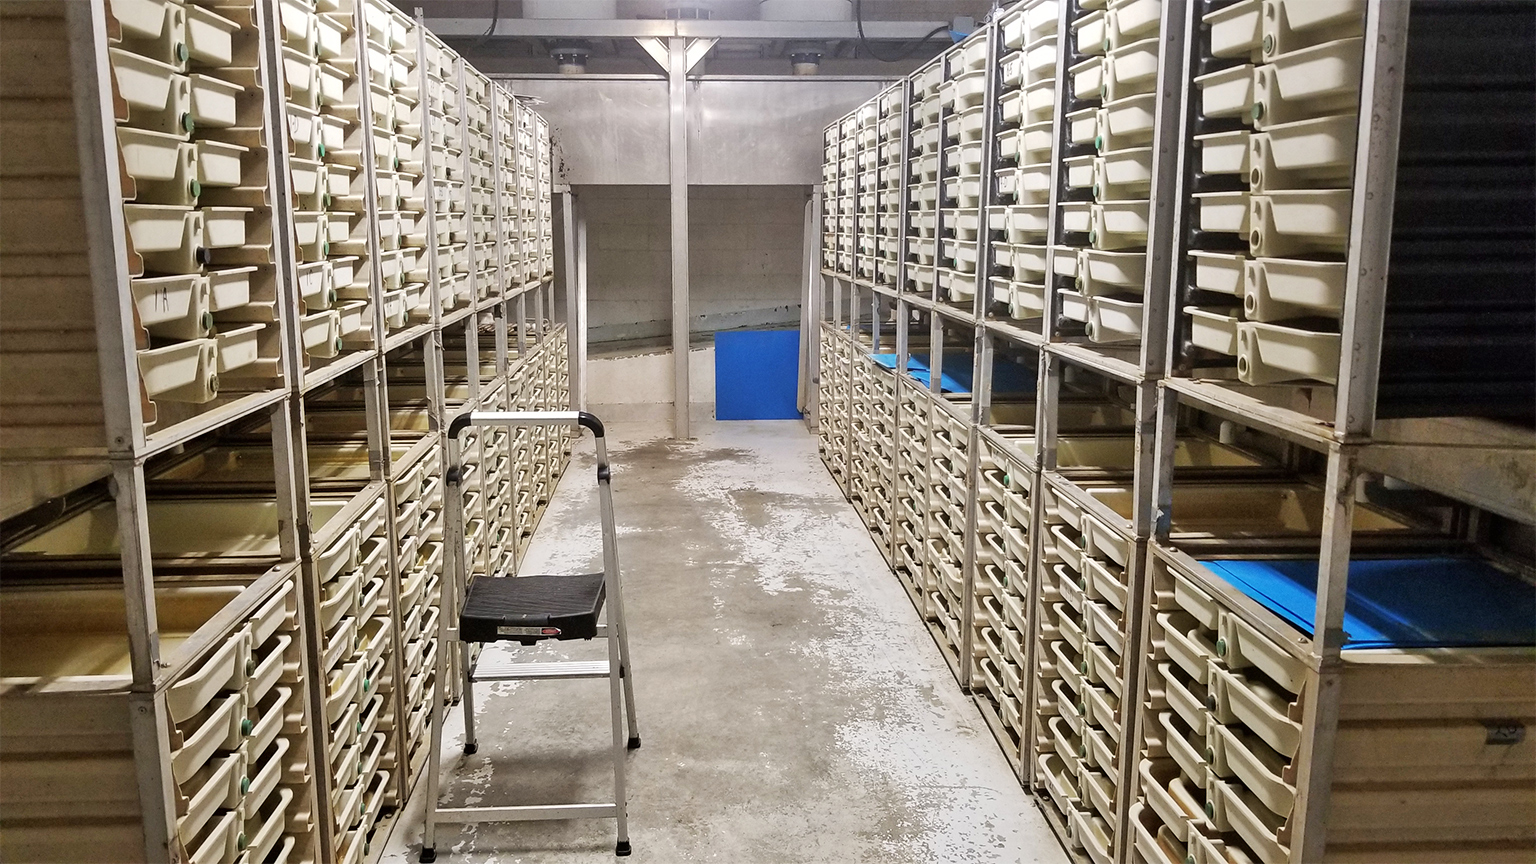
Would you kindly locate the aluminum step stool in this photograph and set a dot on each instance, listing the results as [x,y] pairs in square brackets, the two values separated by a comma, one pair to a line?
[527,609]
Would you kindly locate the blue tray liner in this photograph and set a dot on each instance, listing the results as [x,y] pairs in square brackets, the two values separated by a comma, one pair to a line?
[1399,603]
[917,367]
[1006,377]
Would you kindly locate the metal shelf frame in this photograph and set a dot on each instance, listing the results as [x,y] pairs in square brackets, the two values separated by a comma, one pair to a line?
[1350,440]
[504,304]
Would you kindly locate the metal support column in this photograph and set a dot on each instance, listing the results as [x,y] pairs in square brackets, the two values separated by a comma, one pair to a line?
[677,110]
[573,276]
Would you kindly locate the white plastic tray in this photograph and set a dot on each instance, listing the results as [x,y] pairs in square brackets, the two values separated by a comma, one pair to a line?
[330,36]
[1119,225]
[159,227]
[1076,216]
[1301,221]
[1112,320]
[1090,34]
[1132,69]
[1079,172]
[1212,330]
[1307,153]
[297,18]
[1275,289]
[1127,122]
[1039,103]
[1296,24]
[1027,300]
[1224,212]
[1073,306]
[210,37]
[1228,93]
[239,347]
[1100,272]
[149,155]
[1311,82]
[1235,30]
[219,164]
[1131,20]
[1224,152]
[182,371]
[224,227]
[1268,353]
[320,333]
[173,306]
[1036,140]
[1121,174]
[1087,78]
[1221,272]
[142,19]
[215,103]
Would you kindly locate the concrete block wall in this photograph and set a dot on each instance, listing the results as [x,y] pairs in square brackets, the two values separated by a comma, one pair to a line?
[745,258]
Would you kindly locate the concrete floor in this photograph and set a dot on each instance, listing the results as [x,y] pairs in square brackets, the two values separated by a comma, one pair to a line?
[792,704]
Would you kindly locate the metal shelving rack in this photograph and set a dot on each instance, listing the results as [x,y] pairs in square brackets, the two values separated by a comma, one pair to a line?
[1041,522]
[315,632]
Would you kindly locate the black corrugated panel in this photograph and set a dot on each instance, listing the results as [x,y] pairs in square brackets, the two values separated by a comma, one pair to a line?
[1460,332]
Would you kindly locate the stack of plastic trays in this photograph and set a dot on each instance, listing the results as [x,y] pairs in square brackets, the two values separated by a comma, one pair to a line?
[890,163]
[866,148]
[238,754]
[829,168]
[1070,750]
[880,408]
[235,781]
[451,226]
[314,87]
[923,178]
[912,465]
[960,194]
[478,153]
[528,191]
[394,100]
[354,616]
[847,194]
[860,458]
[546,198]
[827,366]
[1002,587]
[191,121]
[1017,225]
[1421,772]
[563,395]
[948,499]
[1099,262]
[418,495]
[1273,118]
[507,185]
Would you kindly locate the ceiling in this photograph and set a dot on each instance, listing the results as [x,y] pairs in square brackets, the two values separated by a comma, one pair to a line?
[522,55]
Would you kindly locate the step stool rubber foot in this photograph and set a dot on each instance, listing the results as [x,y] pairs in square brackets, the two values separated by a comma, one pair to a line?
[621,850]
[427,856]
[470,748]
[634,742]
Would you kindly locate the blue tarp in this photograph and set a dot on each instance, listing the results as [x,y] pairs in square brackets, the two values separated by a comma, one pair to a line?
[757,374]
[1399,603]
[917,367]
[1006,377]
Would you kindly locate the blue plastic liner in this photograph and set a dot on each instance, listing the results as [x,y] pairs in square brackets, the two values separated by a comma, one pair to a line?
[1006,377]
[917,367]
[1399,603]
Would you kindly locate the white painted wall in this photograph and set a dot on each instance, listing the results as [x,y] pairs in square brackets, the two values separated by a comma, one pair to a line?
[639,386]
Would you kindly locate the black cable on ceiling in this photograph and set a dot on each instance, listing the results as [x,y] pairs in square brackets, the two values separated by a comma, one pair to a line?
[491,30]
[858,18]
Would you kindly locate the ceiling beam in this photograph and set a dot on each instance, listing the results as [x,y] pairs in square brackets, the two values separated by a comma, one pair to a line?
[571,28]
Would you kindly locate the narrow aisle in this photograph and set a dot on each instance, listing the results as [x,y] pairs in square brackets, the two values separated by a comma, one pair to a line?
[792,705]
